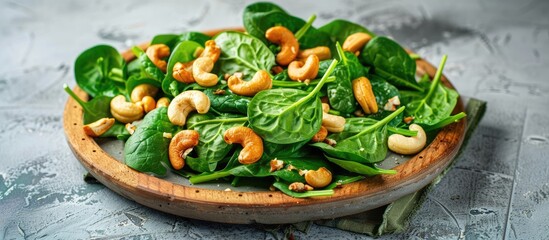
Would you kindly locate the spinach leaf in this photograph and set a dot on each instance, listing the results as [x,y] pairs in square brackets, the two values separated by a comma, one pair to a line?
[436,105]
[137,80]
[340,180]
[340,29]
[391,62]
[148,69]
[384,91]
[184,52]
[211,147]
[367,169]
[284,187]
[95,109]
[172,40]
[243,53]
[287,115]
[227,102]
[118,130]
[98,71]
[259,17]
[367,146]
[147,149]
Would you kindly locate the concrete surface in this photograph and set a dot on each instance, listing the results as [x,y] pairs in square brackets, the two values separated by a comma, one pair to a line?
[498,51]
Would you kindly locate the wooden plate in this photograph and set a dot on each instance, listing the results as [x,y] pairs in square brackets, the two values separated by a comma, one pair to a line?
[266,207]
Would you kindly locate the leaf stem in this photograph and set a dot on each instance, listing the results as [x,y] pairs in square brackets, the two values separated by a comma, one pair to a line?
[436,79]
[209,177]
[292,84]
[320,84]
[402,131]
[76,98]
[447,121]
[305,27]
[382,122]
[341,53]
[224,120]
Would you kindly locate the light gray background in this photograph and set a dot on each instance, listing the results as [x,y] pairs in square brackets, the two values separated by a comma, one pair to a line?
[498,51]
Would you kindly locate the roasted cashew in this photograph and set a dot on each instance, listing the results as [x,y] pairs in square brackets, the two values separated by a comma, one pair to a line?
[148,103]
[143,90]
[186,102]
[183,72]
[321,52]
[125,112]
[299,71]
[201,72]
[97,128]
[212,51]
[364,95]
[319,178]
[356,41]
[260,81]
[408,145]
[252,144]
[180,146]
[289,47]
[156,53]
[332,123]
[320,135]
[163,102]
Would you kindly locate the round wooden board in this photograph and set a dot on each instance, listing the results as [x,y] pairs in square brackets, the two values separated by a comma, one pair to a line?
[265,206]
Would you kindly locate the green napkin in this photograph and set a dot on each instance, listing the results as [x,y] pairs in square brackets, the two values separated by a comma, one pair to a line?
[395,216]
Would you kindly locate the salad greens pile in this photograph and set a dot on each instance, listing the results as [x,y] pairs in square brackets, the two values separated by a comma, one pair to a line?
[286,117]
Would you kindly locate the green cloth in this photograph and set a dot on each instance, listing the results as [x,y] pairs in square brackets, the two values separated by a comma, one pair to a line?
[395,217]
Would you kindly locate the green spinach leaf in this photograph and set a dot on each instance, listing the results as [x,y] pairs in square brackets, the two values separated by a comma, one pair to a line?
[367,169]
[147,149]
[243,53]
[391,62]
[287,115]
[367,146]
[437,105]
[227,102]
[95,109]
[148,69]
[98,71]
[340,29]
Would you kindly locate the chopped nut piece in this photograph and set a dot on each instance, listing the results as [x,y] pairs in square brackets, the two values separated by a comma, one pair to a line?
[303,172]
[167,135]
[299,187]
[392,103]
[219,92]
[130,128]
[226,76]
[272,188]
[330,142]
[290,167]
[408,120]
[227,190]
[359,113]
[277,69]
[276,165]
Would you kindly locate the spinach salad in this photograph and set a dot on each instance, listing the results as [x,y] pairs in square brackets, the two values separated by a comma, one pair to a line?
[302,109]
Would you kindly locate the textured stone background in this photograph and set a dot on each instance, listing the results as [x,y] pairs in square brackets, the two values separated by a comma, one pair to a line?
[498,51]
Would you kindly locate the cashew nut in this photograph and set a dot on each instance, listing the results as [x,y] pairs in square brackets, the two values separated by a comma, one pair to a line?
[408,145]
[212,51]
[332,123]
[320,135]
[125,112]
[298,71]
[97,128]
[289,47]
[260,81]
[364,95]
[148,103]
[183,72]
[202,67]
[143,90]
[180,146]
[156,53]
[163,102]
[186,102]
[252,144]
[319,178]
[356,41]
[321,52]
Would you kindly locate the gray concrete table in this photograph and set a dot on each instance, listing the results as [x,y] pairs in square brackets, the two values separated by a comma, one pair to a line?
[498,51]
